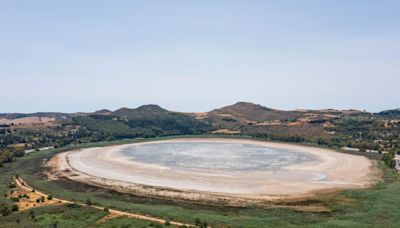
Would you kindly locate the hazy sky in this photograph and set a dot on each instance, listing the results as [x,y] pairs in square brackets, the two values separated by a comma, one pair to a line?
[199,55]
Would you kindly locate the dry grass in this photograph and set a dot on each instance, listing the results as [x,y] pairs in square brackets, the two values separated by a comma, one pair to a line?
[27,197]
[30,202]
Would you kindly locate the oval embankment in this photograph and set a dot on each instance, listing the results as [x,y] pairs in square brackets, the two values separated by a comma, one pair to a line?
[254,175]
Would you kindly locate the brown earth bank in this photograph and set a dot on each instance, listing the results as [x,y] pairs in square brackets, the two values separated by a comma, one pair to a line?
[29,198]
[344,171]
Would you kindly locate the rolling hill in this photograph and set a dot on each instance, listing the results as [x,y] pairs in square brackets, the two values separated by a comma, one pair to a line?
[327,127]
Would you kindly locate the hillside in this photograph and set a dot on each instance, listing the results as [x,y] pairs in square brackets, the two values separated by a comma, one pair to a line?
[260,121]
[55,115]
[144,110]
[391,113]
[328,127]
[331,128]
[144,121]
[254,112]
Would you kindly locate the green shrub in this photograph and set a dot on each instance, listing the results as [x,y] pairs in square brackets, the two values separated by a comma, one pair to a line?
[197,221]
[5,209]
[14,207]
[32,214]
[15,199]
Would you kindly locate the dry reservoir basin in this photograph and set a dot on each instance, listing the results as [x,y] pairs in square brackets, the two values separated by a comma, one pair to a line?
[220,166]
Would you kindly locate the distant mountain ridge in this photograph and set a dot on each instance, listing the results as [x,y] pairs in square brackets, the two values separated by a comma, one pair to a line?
[246,110]
[103,111]
[324,127]
[392,112]
[150,109]
[56,115]
[254,112]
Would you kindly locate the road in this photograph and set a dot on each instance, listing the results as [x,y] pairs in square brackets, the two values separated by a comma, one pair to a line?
[22,184]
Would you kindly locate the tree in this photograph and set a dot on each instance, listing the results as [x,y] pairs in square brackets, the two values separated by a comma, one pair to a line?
[203,224]
[5,209]
[197,221]
[14,207]
[392,164]
[388,158]
[32,214]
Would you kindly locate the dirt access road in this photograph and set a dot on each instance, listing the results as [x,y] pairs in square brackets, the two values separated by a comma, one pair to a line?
[112,212]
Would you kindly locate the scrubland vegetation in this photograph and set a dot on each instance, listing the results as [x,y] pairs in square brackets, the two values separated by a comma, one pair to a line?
[374,207]
[356,208]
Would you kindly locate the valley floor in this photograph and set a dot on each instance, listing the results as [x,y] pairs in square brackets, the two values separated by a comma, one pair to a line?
[377,206]
[106,167]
